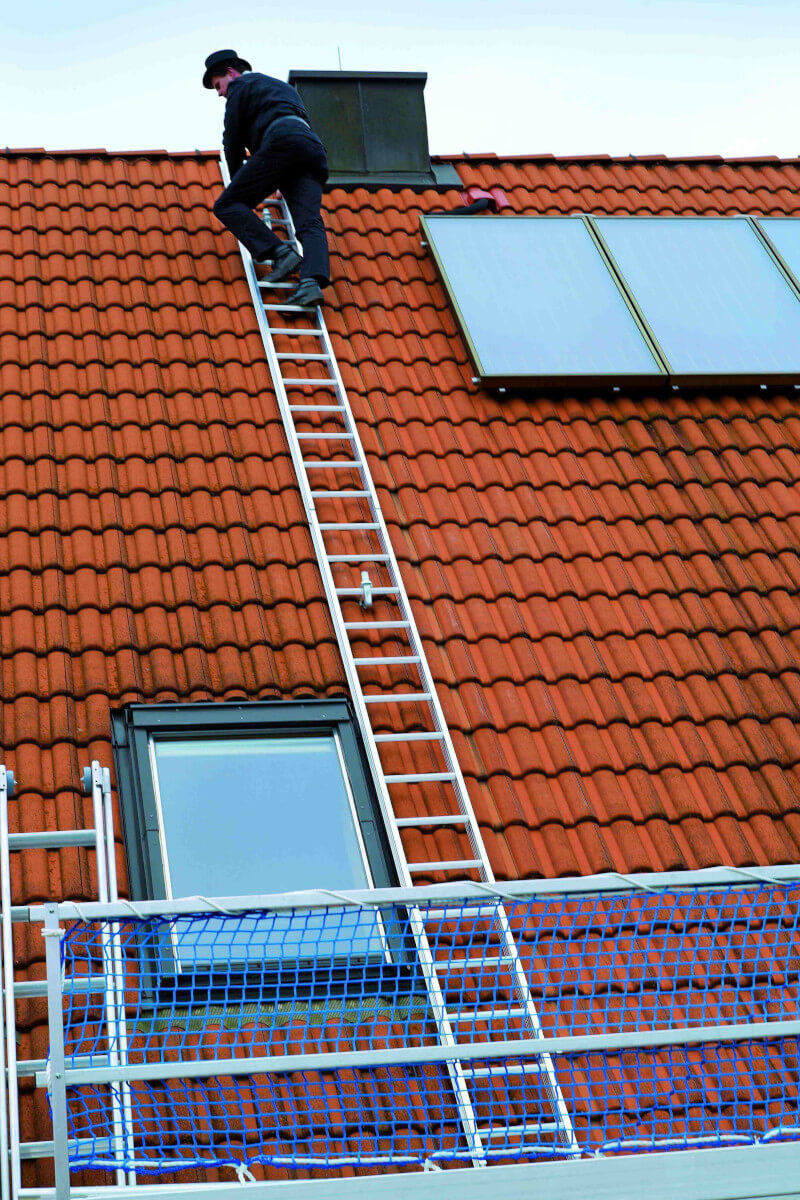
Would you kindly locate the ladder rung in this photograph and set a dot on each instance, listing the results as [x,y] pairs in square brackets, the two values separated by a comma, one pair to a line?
[489,1131]
[36,1066]
[346,495]
[52,839]
[376,591]
[323,381]
[422,777]
[387,660]
[343,558]
[368,625]
[329,437]
[316,408]
[409,737]
[421,822]
[453,914]
[377,624]
[468,964]
[397,697]
[293,308]
[31,1150]
[332,463]
[30,1066]
[273,287]
[75,986]
[363,525]
[509,1069]
[485,1014]
[297,332]
[450,865]
[287,354]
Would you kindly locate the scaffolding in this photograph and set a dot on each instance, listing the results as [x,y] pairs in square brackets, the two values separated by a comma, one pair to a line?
[668,1003]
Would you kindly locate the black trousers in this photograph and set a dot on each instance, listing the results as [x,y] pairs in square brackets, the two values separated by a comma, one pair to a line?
[295,162]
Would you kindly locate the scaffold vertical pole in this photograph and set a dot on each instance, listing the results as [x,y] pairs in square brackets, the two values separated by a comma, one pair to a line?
[52,934]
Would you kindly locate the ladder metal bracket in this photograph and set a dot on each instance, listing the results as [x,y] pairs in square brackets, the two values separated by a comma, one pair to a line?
[366,590]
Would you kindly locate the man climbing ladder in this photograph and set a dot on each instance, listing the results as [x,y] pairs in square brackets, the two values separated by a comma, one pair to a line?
[267,117]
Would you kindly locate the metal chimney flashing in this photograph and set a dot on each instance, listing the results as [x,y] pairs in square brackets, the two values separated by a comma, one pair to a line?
[374,128]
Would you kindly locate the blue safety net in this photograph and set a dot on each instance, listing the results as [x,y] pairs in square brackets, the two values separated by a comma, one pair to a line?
[350,980]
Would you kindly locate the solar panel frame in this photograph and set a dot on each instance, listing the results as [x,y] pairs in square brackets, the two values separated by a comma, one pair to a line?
[656,379]
[762,226]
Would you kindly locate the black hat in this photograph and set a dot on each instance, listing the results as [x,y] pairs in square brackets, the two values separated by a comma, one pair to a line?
[218,63]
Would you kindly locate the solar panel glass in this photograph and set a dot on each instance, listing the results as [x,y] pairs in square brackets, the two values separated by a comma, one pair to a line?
[710,292]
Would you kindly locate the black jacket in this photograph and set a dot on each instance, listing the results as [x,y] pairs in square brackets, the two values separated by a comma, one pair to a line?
[252,103]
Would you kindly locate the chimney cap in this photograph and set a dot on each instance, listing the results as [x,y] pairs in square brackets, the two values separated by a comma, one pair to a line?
[393,75]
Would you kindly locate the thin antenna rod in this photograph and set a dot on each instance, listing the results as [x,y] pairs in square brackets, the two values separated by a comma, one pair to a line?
[339,52]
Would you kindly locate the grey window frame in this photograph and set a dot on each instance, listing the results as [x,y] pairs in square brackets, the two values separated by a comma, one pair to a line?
[133,727]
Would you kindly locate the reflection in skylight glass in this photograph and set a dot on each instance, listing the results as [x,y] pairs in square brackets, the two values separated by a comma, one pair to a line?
[535,298]
[243,816]
[713,297]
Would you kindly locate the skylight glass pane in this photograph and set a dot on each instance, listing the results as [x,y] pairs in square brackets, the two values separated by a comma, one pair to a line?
[784,233]
[245,816]
[535,298]
[714,299]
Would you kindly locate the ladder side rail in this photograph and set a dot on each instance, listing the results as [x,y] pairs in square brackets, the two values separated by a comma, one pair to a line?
[523,993]
[9,1099]
[119,971]
[440,724]
[98,781]
[93,784]
[444,1029]
[56,1068]
[10,1083]
[5,1166]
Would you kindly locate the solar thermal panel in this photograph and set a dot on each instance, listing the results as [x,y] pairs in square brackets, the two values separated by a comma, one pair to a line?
[718,305]
[536,301]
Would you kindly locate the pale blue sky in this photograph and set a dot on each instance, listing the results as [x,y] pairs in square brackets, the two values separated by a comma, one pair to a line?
[513,76]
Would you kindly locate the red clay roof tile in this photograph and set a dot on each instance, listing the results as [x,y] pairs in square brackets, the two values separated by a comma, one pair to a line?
[607,587]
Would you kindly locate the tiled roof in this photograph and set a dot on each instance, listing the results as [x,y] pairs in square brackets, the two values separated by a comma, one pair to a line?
[607,586]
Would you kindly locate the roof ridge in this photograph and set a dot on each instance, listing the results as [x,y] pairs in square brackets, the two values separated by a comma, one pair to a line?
[613,159]
[464,157]
[100,151]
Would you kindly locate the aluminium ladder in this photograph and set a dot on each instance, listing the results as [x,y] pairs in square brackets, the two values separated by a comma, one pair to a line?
[99,838]
[349,534]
